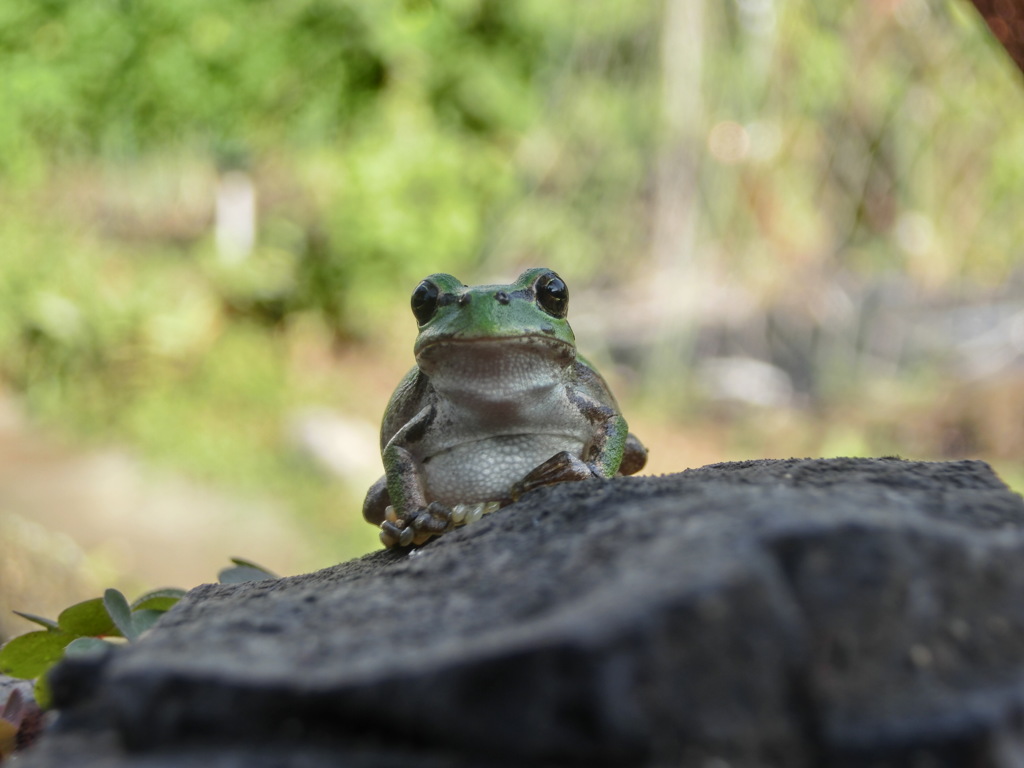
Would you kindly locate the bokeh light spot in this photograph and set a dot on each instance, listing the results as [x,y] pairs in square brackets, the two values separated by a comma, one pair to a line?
[729,142]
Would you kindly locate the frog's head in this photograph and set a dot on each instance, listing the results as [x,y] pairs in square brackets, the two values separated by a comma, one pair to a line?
[532,310]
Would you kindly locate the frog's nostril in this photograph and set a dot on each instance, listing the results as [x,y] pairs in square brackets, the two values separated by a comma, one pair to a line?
[502,297]
[464,299]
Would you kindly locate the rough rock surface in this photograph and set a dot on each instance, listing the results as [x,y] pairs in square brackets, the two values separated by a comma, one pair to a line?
[846,612]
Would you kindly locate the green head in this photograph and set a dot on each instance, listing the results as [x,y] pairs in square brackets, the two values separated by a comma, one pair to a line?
[534,306]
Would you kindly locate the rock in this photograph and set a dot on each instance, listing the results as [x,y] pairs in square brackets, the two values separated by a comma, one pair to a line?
[845,612]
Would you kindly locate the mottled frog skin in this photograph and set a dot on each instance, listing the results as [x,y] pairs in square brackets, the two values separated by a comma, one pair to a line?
[499,403]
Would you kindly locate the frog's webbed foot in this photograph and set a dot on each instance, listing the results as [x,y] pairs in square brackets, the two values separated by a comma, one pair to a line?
[561,468]
[416,528]
[430,521]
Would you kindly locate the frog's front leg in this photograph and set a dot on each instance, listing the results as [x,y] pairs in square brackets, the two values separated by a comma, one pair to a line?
[603,458]
[407,517]
[561,468]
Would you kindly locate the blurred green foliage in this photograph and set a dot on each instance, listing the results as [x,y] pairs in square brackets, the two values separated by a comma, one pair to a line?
[791,151]
[381,139]
[395,120]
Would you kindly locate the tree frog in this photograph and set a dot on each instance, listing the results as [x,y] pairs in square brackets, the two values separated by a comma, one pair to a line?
[499,403]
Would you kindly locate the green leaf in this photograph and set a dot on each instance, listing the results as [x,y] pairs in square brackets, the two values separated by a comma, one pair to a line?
[241,561]
[43,622]
[90,618]
[158,600]
[30,655]
[119,610]
[243,573]
[143,620]
[41,693]
[84,646]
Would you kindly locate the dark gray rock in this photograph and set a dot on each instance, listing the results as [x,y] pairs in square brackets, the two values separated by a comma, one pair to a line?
[847,612]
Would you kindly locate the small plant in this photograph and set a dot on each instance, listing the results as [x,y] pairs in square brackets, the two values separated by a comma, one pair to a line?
[92,626]
[244,570]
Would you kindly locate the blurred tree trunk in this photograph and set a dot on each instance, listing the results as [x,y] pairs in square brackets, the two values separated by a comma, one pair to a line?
[673,288]
[1006,20]
[682,109]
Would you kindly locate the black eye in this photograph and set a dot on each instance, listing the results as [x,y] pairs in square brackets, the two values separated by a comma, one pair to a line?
[553,295]
[424,301]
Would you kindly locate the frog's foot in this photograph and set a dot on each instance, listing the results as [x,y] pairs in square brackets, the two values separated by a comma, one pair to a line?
[464,514]
[561,468]
[417,528]
[634,456]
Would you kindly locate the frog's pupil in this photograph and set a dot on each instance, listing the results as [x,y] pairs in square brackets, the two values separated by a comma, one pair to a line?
[553,295]
[424,301]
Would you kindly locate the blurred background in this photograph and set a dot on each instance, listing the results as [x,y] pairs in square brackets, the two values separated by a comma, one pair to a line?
[789,229]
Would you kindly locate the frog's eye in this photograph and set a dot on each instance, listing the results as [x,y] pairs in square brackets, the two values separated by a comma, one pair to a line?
[553,295]
[424,301]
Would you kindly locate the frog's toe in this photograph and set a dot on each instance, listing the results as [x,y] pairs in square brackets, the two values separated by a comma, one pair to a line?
[393,536]
[464,514]
[417,528]
[435,519]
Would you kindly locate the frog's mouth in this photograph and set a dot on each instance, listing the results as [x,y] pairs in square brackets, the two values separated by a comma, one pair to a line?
[492,355]
[512,345]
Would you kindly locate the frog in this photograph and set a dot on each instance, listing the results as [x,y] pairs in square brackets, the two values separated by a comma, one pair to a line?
[499,403]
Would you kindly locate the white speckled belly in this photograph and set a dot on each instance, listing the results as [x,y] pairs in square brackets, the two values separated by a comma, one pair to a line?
[484,470]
